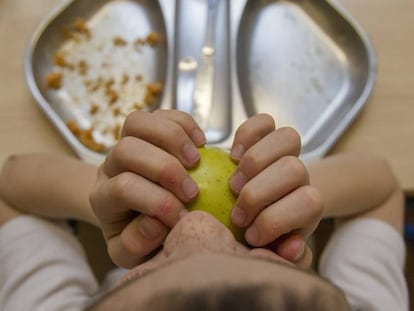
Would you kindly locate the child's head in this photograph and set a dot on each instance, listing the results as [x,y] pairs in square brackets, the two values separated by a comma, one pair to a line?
[202,267]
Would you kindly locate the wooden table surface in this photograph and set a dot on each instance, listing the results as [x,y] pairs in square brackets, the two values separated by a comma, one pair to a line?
[385,126]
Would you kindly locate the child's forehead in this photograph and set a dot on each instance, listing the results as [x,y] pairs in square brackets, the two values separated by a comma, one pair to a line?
[212,271]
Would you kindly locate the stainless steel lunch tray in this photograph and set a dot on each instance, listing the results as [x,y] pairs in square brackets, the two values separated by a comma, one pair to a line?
[306,62]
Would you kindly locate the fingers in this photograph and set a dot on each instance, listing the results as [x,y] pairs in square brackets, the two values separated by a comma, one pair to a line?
[140,237]
[275,145]
[173,131]
[305,261]
[249,133]
[274,202]
[293,247]
[117,199]
[186,122]
[152,163]
[143,182]
[296,245]
[279,179]
[300,211]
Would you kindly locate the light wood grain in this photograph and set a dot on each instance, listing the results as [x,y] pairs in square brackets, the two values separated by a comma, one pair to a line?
[23,127]
[385,126]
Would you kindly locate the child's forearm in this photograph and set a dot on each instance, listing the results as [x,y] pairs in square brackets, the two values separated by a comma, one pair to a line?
[360,185]
[48,186]
[58,187]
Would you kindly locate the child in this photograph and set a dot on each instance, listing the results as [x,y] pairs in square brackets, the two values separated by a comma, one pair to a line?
[138,200]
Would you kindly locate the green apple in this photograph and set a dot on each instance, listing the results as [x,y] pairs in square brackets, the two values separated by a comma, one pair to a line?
[212,176]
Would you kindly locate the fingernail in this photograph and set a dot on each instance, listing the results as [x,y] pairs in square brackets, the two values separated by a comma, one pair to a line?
[300,249]
[238,180]
[190,153]
[148,229]
[238,216]
[198,137]
[190,188]
[237,152]
[252,236]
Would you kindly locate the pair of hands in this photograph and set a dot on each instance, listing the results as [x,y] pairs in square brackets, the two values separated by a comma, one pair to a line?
[143,186]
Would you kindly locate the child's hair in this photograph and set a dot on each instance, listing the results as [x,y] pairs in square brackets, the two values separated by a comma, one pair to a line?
[261,297]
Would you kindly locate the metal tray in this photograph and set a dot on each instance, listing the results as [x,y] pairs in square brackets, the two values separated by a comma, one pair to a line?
[307,63]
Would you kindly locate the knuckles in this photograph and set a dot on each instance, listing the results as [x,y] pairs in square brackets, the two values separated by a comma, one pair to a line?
[292,136]
[175,131]
[130,121]
[312,199]
[122,147]
[251,163]
[120,150]
[120,186]
[130,244]
[296,169]
[169,173]
[164,208]
[127,246]
[267,121]
[249,197]
[311,203]
[118,156]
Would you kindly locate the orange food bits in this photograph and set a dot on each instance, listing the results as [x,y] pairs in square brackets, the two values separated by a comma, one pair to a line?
[54,80]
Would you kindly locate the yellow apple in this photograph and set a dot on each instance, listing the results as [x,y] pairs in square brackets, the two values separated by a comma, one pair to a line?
[212,176]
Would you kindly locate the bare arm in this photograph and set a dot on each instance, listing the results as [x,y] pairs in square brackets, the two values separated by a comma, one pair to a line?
[48,186]
[358,185]
[351,184]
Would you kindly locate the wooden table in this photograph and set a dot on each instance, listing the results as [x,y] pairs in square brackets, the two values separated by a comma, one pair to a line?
[385,127]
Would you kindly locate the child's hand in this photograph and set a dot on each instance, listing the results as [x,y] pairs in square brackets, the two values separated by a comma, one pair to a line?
[275,202]
[143,184]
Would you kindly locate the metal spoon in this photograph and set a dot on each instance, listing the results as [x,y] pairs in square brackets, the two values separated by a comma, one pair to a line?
[204,80]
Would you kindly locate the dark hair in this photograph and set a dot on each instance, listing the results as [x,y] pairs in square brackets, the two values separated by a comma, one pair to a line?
[261,297]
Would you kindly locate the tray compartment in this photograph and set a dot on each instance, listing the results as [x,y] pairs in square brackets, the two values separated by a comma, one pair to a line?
[304,63]
[190,32]
[119,62]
